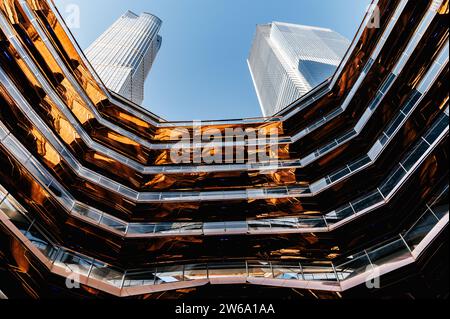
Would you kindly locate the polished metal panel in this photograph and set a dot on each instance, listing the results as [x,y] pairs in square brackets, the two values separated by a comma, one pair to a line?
[88,182]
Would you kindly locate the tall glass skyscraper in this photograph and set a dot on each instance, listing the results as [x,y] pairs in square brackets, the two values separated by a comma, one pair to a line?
[287,60]
[123,55]
[94,202]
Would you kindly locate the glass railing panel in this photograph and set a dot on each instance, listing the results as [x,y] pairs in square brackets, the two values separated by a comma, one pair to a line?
[107,273]
[297,191]
[142,229]
[319,272]
[168,228]
[236,226]
[284,224]
[186,195]
[195,272]
[389,253]
[327,147]
[194,226]
[234,269]
[309,158]
[214,227]
[373,105]
[128,192]
[420,229]
[437,129]
[259,225]
[339,214]
[415,96]
[73,262]
[162,228]
[134,165]
[277,191]
[20,221]
[250,193]
[440,197]
[3,132]
[110,184]
[68,157]
[44,247]
[168,195]
[260,269]
[316,124]
[35,169]
[414,155]
[287,271]
[35,234]
[368,201]
[87,212]
[382,140]
[382,254]
[113,223]
[387,83]
[149,197]
[169,274]
[440,209]
[311,223]
[3,193]
[338,175]
[363,120]
[12,208]
[40,241]
[334,113]
[16,149]
[138,279]
[346,137]
[359,163]
[429,77]
[357,265]
[394,125]
[425,22]
[283,140]
[61,195]
[368,65]
[90,175]
[404,58]
[214,196]
[394,178]
[188,227]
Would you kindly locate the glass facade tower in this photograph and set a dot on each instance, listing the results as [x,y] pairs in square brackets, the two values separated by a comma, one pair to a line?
[287,60]
[124,54]
[93,194]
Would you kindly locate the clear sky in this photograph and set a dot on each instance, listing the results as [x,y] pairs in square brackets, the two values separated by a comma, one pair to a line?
[201,70]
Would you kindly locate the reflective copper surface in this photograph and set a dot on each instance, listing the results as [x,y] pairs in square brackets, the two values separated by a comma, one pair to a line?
[89,178]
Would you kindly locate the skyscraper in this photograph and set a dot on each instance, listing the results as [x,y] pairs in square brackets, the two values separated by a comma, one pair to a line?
[288,60]
[94,205]
[124,54]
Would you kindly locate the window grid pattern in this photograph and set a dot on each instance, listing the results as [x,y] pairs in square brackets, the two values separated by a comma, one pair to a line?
[124,54]
[287,61]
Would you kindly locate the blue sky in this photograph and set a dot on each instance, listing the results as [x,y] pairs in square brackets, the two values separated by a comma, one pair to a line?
[201,70]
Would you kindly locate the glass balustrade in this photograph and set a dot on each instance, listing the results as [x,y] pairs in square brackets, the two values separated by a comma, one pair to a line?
[387,254]
[389,79]
[362,205]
